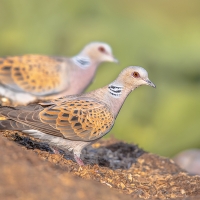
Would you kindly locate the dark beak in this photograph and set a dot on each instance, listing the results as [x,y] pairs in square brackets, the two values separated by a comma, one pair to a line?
[150,83]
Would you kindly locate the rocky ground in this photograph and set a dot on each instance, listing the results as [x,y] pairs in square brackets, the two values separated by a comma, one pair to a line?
[113,170]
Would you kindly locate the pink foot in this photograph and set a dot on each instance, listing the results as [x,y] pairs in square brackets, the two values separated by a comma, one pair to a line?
[55,150]
[78,160]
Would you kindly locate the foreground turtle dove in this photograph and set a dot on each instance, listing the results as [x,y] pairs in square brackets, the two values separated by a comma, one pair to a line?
[27,78]
[73,122]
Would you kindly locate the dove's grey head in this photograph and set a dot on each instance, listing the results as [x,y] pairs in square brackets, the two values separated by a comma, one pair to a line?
[133,77]
[98,52]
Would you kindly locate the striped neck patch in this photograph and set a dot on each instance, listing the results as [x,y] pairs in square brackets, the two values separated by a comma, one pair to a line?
[82,62]
[115,90]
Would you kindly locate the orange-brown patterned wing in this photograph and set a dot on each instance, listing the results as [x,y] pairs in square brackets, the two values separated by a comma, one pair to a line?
[35,74]
[79,119]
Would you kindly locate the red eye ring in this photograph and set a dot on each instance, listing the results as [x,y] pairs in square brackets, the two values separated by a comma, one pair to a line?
[102,49]
[136,74]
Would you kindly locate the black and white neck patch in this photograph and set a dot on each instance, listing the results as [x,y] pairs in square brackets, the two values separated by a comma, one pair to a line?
[82,62]
[115,90]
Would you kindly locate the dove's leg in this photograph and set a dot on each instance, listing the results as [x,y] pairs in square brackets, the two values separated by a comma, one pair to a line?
[78,160]
[77,153]
[76,157]
[54,149]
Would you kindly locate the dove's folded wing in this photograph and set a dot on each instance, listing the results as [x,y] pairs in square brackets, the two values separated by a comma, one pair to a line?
[76,119]
[79,119]
[34,74]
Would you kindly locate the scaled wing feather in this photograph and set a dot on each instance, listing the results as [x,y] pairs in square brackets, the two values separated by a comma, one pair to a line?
[79,119]
[35,74]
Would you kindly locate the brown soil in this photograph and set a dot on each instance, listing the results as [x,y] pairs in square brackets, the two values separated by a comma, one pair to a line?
[119,167]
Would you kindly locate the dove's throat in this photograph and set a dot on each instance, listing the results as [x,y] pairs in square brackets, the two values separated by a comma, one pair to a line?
[113,95]
[116,103]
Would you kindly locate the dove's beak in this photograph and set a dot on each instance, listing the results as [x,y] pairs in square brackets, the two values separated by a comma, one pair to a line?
[150,83]
[115,60]
[111,58]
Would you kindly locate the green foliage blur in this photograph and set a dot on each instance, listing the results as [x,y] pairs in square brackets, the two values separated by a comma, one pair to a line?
[161,36]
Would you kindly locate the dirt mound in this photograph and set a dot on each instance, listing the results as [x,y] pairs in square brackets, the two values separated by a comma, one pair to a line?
[119,166]
[25,176]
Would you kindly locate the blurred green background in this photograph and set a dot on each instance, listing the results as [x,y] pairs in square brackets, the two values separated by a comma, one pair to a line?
[161,36]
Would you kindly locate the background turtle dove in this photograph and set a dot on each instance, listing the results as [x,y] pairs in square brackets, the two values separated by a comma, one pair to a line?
[27,78]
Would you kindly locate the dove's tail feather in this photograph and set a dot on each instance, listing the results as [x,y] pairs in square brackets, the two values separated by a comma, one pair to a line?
[5,110]
[6,124]
[12,125]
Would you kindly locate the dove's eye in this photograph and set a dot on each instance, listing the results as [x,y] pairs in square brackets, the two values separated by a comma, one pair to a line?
[102,49]
[136,74]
